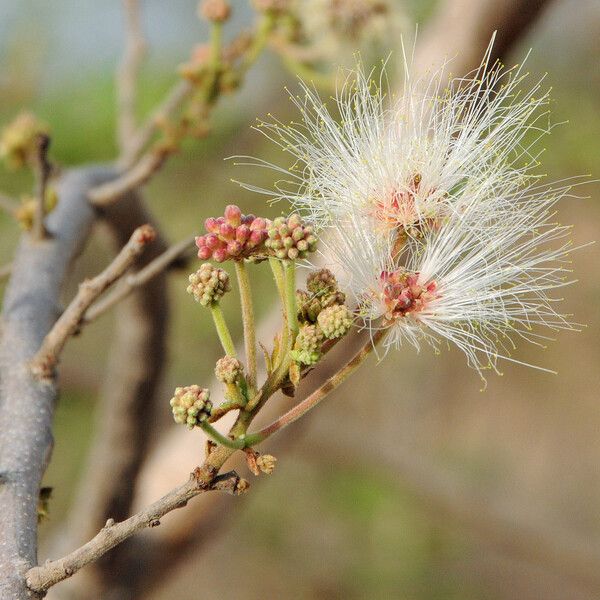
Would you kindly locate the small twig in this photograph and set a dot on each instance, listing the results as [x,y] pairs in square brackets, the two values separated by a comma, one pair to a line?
[8,205]
[136,280]
[44,361]
[134,177]
[5,271]
[43,169]
[176,97]
[127,73]
[319,394]
[40,579]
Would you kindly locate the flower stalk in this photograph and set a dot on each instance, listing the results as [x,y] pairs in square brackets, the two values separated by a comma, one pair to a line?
[222,329]
[248,323]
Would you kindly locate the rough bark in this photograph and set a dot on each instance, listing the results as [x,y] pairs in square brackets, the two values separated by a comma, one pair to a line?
[31,306]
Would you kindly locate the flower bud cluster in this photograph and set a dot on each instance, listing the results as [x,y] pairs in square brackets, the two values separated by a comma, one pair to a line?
[18,139]
[191,405]
[232,236]
[208,284]
[229,369]
[307,348]
[322,293]
[335,321]
[290,238]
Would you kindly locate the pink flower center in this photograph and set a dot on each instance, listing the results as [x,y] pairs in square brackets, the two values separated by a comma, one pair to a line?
[402,293]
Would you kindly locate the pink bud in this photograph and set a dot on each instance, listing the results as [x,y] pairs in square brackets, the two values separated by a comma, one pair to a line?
[211,225]
[242,233]
[233,215]
[258,223]
[234,248]
[248,219]
[227,231]
[211,241]
[204,253]
[200,241]
[220,255]
[256,238]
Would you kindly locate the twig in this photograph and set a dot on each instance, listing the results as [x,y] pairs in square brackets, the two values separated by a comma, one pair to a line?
[127,73]
[176,97]
[135,280]
[319,394]
[43,168]
[40,579]
[134,177]
[5,270]
[26,404]
[46,358]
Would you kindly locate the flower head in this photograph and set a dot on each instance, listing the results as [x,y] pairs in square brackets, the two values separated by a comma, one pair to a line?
[233,236]
[435,223]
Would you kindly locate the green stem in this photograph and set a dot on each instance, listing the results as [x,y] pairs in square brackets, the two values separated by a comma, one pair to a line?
[279,277]
[222,329]
[264,29]
[289,267]
[216,42]
[318,395]
[219,438]
[220,411]
[248,321]
[308,73]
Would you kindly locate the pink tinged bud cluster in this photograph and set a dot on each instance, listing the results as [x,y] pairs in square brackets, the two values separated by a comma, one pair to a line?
[402,293]
[290,238]
[234,236]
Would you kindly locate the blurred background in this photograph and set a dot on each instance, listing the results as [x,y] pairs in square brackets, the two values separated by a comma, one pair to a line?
[411,482]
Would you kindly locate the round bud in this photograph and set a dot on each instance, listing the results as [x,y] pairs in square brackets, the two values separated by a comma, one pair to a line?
[307,348]
[191,405]
[208,284]
[229,369]
[335,321]
[216,11]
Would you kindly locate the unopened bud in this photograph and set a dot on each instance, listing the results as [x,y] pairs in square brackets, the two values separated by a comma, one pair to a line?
[290,239]
[191,405]
[229,369]
[216,11]
[19,138]
[266,463]
[307,347]
[335,321]
[208,284]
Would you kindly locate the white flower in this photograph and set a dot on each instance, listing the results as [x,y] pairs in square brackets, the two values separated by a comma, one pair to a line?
[434,219]
[480,280]
[405,160]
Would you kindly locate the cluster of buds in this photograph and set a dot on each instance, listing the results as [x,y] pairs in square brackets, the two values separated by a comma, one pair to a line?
[232,236]
[229,370]
[402,293]
[335,321]
[191,405]
[307,347]
[216,11]
[290,238]
[322,292]
[19,138]
[208,284]
[25,214]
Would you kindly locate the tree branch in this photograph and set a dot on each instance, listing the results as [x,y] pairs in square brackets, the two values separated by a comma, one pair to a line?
[27,404]
[43,169]
[135,280]
[45,360]
[140,173]
[40,579]
[125,415]
[127,74]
